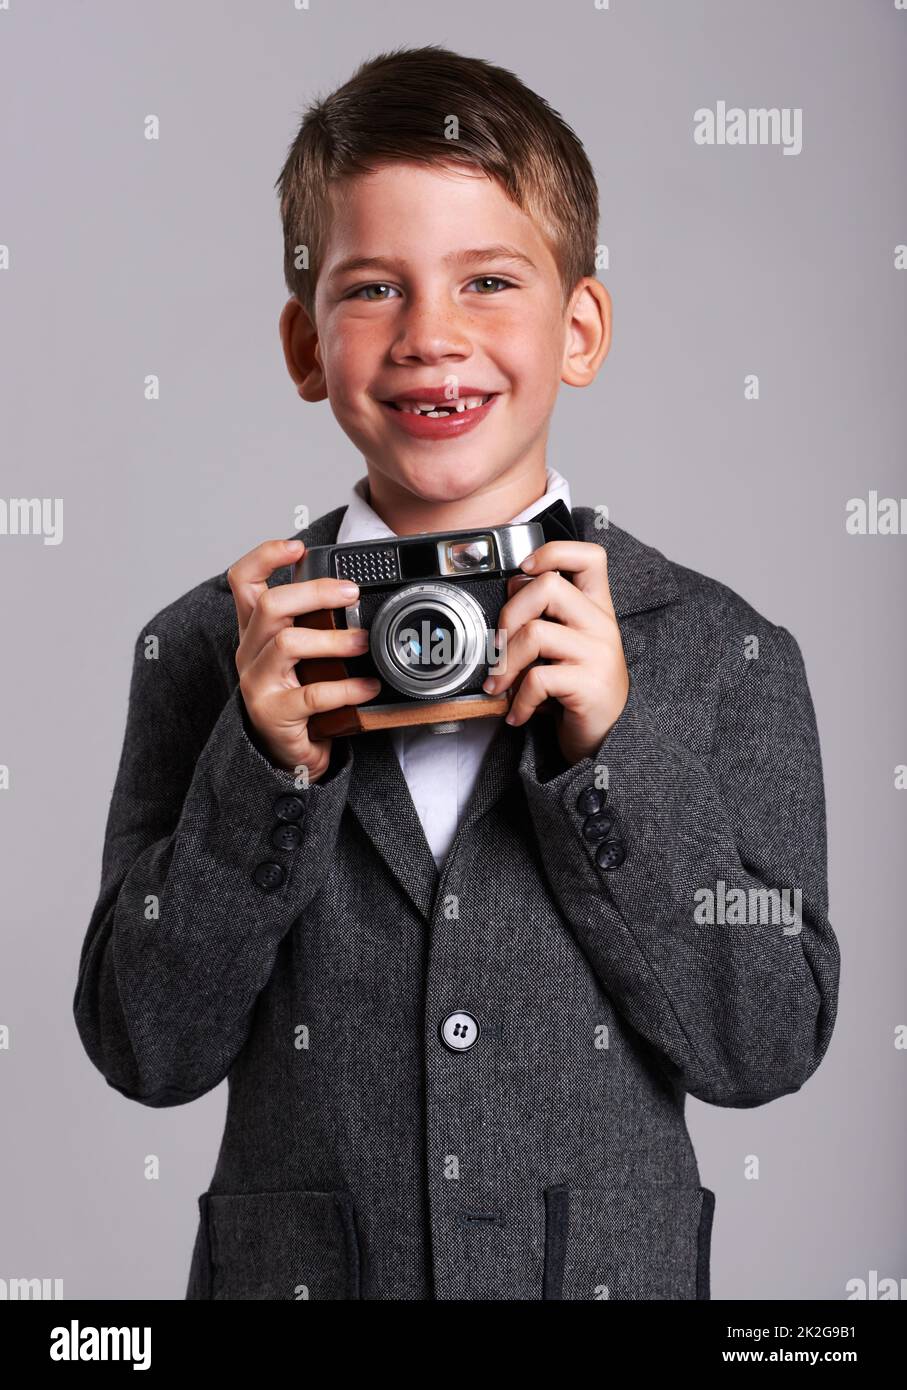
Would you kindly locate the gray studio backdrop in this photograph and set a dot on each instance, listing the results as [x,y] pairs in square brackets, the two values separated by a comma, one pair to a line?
[129,257]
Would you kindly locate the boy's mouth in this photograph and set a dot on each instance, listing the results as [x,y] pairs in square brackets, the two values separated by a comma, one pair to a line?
[432,414]
[438,409]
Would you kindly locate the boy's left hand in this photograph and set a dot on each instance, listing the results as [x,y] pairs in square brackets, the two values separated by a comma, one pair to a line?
[574,625]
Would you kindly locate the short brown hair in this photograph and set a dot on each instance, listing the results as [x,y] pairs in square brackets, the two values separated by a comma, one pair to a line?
[395,107]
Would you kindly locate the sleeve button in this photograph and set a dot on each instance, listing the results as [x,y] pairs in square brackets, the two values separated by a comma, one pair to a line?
[269,876]
[289,807]
[286,836]
[598,827]
[590,801]
[610,854]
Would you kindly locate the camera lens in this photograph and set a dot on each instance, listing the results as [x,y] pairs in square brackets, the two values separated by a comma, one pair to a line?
[428,640]
[425,639]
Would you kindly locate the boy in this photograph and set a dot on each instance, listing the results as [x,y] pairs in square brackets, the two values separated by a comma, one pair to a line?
[460,984]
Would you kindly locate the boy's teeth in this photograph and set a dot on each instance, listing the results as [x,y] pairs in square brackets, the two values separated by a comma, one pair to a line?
[440,410]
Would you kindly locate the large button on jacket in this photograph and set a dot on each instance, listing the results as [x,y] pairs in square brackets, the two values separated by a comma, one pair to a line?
[466,1084]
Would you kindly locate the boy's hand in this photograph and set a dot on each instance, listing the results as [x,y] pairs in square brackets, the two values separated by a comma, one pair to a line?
[270,645]
[578,634]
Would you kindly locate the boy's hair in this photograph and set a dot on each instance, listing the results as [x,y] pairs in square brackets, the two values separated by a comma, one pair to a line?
[397,107]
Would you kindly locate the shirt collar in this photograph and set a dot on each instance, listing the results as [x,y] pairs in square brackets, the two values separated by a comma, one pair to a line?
[362,523]
[640,577]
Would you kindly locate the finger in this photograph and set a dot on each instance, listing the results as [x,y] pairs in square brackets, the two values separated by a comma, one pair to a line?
[539,684]
[534,640]
[290,710]
[291,644]
[354,690]
[585,561]
[559,600]
[277,607]
[285,707]
[249,576]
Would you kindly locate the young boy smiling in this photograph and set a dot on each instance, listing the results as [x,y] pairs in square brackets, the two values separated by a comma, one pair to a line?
[472,306]
[459,982]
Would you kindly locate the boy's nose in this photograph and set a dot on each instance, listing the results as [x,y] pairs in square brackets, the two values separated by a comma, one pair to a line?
[431,331]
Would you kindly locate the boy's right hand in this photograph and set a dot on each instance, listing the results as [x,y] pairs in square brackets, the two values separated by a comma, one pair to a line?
[279,708]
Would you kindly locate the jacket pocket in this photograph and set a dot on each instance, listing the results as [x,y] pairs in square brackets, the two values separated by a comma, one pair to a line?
[649,1241]
[279,1245]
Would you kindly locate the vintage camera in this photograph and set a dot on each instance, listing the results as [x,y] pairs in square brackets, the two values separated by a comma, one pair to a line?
[430,603]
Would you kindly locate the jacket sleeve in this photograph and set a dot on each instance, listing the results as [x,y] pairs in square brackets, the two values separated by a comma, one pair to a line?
[184,936]
[739,1002]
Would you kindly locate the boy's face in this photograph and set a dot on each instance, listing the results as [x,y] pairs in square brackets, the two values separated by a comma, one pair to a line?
[435,308]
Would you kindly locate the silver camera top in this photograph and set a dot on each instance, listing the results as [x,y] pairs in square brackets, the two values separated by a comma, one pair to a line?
[424,555]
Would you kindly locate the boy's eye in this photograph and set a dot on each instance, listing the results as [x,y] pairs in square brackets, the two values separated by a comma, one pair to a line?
[488,284]
[364,292]
[485,280]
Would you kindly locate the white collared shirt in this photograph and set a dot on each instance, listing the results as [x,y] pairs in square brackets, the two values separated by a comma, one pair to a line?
[440,769]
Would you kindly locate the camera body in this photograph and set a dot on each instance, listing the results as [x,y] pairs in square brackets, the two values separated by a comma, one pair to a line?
[430,603]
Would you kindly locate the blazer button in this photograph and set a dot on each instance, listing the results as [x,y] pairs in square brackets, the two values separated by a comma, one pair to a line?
[289,807]
[598,827]
[589,801]
[610,854]
[459,1031]
[269,876]
[286,836]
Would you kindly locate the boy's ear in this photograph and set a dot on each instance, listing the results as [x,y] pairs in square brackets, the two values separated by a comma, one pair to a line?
[301,351]
[588,328]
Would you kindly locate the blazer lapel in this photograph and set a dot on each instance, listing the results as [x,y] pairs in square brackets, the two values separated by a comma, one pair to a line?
[640,578]
[380,799]
[379,796]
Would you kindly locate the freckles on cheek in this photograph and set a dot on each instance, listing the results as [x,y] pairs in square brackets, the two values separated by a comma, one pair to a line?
[354,350]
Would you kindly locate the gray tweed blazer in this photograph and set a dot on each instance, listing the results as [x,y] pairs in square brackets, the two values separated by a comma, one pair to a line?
[468,1084]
